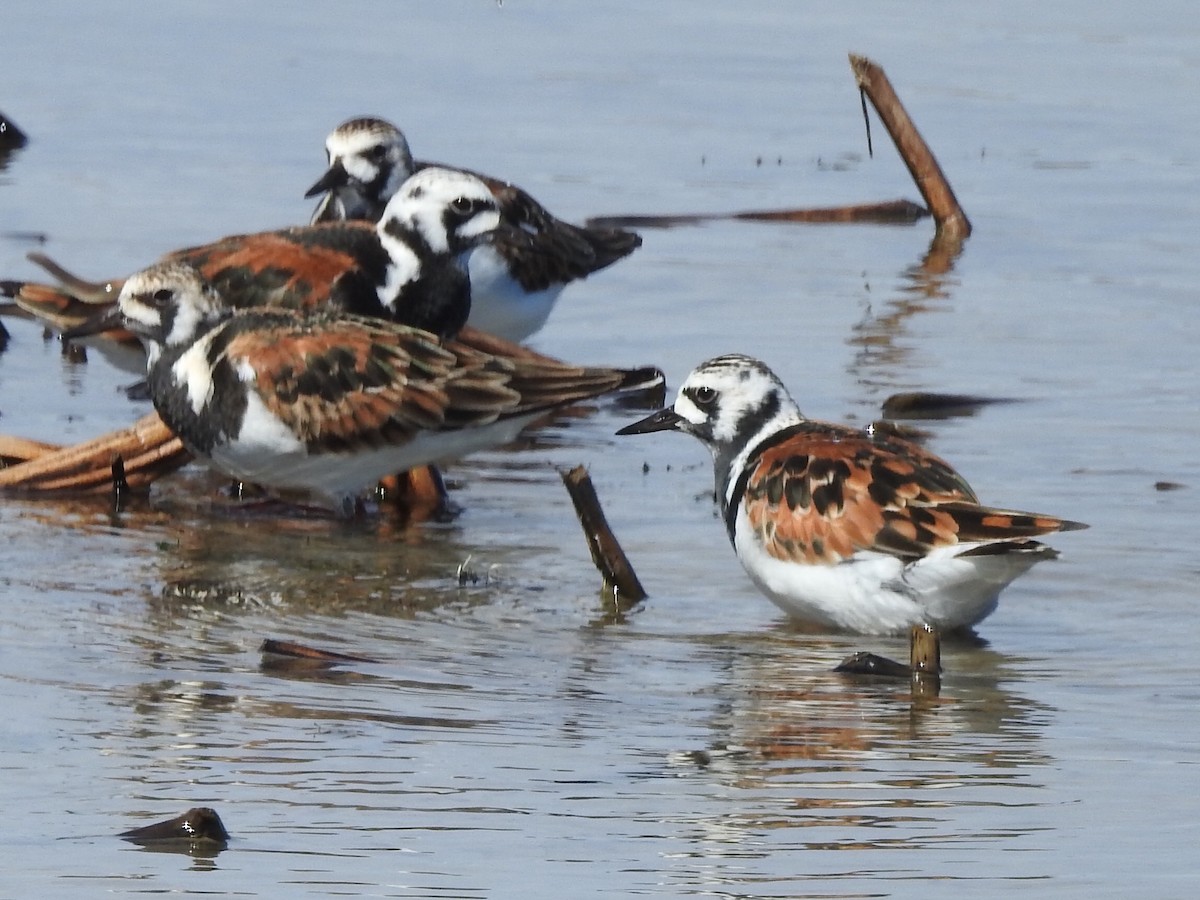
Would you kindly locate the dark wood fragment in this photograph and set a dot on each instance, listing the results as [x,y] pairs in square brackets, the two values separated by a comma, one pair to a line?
[606,552]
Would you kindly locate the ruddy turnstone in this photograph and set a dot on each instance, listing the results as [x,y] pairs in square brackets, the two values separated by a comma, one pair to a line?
[841,527]
[518,276]
[326,401]
[408,267]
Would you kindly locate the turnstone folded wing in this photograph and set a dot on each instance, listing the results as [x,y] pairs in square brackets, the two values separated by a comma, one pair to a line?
[325,401]
[408,267]
[519,275]
[847,528]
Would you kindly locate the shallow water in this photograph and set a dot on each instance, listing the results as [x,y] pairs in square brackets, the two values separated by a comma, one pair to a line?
[516,735]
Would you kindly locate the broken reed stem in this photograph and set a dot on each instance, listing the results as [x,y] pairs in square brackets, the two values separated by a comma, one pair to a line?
[293,650]
[922,165]
[147,449]
[925,660]
[887,212]
[606,552]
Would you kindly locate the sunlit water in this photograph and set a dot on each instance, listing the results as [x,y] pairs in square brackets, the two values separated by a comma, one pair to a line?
[516,735]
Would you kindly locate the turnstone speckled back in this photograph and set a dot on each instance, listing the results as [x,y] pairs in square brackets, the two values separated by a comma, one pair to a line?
[518,276]
[326,401]
[409,267]
[841,527]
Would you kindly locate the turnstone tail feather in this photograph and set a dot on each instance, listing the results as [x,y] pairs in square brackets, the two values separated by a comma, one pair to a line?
[329,402]
[847,528]
[518,276]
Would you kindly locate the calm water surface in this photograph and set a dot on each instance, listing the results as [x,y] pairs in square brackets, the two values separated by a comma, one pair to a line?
[516,735]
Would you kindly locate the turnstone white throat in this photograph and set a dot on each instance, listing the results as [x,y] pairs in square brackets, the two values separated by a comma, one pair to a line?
[846,528]
[325,401]
[408,267]
[518,276]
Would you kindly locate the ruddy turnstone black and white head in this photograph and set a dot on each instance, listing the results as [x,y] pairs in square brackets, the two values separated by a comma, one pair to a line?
[326,401]
[847,528]
[517,277]
[368,161]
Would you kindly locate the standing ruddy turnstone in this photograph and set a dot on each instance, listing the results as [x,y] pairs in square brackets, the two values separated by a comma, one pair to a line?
[408,267]
[518,276]
[330,402]
[841,527]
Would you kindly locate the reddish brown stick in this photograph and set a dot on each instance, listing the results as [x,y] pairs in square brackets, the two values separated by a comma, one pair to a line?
[930,180]
[607,554]
[888,212]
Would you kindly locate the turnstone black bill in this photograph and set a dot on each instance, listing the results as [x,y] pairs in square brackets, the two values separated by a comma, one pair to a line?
[325,401]
[518,276]
[408,267]
[847,528]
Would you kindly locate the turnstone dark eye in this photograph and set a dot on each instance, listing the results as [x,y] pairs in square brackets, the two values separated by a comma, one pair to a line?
[464,206]
[162,296]
[377,153]
[704,396]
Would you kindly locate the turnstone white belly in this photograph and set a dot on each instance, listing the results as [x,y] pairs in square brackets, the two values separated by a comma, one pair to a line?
[518,276]
[847,528]
[327,401]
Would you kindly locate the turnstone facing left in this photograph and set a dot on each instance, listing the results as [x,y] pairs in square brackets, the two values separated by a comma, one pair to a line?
[518,276]
[329,402]
[845,528]
[408,267]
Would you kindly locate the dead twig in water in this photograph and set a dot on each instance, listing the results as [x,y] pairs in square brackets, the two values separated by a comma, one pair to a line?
[930,180]
[290,650]
[607,554]
[889,212]
[147,450]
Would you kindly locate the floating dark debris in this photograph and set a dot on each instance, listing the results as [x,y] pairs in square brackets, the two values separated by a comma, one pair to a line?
[291,651]
[871,664]
[924,668]
[929,405]
[200,824]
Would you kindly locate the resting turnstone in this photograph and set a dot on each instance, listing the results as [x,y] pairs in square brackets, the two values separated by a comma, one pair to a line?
[408,267]
[326,401]
[518,276]
[847,528]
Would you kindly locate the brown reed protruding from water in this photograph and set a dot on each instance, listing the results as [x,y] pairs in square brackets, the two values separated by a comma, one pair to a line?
[922,165]
[607,554]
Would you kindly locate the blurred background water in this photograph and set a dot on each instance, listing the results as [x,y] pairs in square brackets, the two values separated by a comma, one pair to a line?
[517,736]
